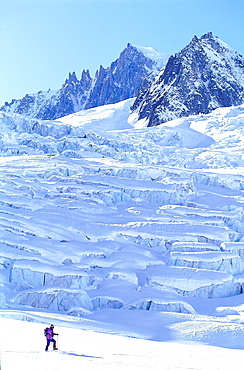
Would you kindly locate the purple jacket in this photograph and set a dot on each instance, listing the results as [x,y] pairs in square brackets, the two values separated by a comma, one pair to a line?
[49,333]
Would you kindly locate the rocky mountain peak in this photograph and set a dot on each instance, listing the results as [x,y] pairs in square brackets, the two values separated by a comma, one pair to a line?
[205,75]
[71,79]
[123,79]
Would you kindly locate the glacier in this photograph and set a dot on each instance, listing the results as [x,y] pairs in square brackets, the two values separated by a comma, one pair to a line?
[115,228]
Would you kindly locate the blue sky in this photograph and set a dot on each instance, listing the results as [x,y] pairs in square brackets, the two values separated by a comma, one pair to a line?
[41,41]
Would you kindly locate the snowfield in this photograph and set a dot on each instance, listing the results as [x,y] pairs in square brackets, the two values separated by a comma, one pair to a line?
[129,240]
[89,349]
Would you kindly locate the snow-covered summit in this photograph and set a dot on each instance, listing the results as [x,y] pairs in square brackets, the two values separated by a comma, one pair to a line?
[153,54]
[204,75]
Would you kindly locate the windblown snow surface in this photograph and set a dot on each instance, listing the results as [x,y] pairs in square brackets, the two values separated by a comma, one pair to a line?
[130,240]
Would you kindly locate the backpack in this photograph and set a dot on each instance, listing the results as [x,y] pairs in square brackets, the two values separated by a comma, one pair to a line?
[46,331]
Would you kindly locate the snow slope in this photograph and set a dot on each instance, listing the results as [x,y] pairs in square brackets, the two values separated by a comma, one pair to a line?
[87,348]
[105,118]
[136,232]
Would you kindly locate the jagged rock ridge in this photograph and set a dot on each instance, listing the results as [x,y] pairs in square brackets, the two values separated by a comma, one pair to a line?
[120,81]
[205,75]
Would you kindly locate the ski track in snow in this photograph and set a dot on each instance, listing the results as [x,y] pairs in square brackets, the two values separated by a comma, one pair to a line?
[112,232]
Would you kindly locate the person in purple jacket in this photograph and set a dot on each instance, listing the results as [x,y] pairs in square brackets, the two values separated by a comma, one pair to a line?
[49,336]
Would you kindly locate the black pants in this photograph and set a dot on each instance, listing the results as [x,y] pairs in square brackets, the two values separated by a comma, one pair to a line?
[48,342]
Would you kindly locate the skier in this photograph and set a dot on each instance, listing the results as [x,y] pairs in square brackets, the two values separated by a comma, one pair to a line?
[49,336]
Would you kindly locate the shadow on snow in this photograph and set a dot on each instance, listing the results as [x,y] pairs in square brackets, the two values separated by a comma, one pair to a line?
[76,354]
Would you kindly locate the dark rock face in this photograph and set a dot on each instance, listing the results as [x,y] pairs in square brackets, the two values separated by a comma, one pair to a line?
[122,80]
[205,75]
